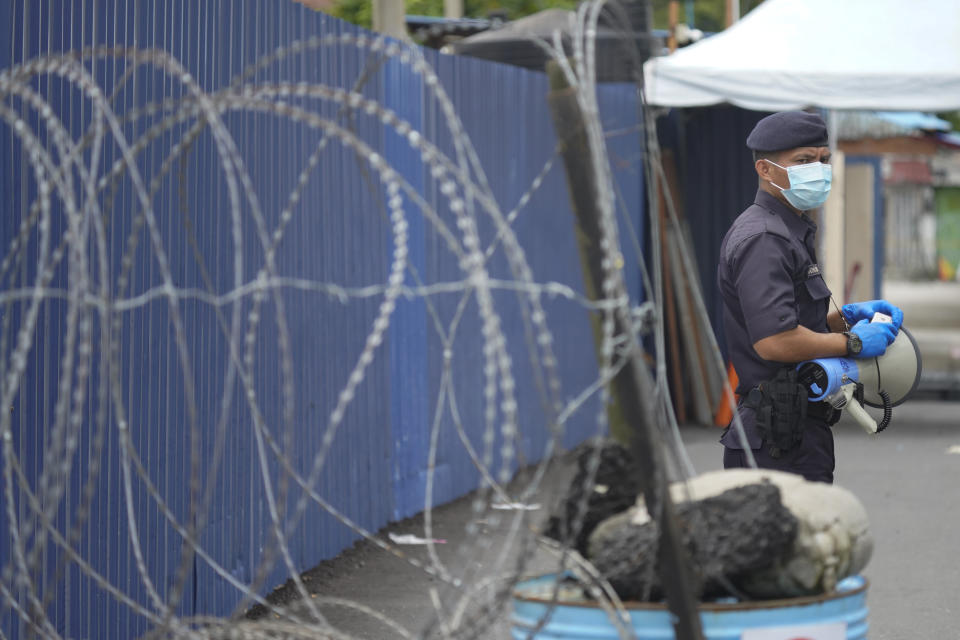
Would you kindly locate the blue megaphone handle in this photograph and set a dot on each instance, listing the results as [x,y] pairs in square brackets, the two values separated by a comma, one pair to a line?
[838,371]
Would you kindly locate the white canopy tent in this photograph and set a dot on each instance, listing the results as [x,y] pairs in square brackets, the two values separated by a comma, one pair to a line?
[837,54]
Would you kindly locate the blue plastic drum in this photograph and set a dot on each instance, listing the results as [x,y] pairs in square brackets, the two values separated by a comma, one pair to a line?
[840,615]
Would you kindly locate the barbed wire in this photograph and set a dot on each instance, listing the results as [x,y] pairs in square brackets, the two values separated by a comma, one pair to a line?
[100,177]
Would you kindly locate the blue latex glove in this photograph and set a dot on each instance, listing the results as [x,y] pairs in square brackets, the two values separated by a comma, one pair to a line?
[857,311]
[875,336]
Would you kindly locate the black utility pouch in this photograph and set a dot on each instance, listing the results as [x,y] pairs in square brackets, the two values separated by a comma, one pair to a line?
[780,405]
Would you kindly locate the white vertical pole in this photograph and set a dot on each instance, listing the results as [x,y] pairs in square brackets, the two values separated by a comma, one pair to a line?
[860,242]
[833,231]
[388,18]
[732,11]
[453,8]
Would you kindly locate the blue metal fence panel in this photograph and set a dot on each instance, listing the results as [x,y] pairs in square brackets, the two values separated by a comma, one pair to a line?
[621,121]
[206,473]
[717,181]
[410,417]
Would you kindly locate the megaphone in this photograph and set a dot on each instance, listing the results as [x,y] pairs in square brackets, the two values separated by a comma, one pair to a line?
[882,382]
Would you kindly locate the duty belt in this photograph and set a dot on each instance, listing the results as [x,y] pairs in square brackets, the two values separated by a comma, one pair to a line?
[819,410]
[823,411]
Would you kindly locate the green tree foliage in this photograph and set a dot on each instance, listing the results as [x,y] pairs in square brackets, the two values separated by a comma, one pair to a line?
[708,15]
[356,11]
[953,117]
[360,11]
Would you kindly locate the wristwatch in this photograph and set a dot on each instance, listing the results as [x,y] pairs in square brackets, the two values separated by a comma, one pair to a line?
[854,345]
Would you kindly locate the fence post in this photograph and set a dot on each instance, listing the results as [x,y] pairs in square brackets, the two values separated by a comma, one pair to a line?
[632,388]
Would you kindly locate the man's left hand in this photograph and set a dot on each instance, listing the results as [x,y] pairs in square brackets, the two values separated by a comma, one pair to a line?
[857,311]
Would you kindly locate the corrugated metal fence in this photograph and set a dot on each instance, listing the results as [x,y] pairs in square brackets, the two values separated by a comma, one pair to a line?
[376,468]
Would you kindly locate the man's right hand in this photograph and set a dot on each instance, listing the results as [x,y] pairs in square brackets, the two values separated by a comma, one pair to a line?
[875,337]
[856,311]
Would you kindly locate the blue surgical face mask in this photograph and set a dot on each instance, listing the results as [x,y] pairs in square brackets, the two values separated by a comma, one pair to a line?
[809,184]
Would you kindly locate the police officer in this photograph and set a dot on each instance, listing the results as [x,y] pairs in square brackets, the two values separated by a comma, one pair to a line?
[776,303]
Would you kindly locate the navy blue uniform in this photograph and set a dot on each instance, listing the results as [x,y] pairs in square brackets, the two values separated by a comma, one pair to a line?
[770,282]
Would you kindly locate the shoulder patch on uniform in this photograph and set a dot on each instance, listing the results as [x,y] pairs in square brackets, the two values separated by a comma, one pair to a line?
[753,222]
[813,270]
[776,226]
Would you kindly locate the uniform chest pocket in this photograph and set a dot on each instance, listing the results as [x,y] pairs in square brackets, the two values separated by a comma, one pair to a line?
[809,286]
[816,288]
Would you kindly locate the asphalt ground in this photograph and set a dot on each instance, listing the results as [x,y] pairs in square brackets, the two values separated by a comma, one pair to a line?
[907,477]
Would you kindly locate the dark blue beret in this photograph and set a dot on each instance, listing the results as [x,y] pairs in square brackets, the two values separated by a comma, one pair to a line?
[788,130]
